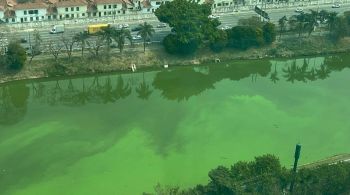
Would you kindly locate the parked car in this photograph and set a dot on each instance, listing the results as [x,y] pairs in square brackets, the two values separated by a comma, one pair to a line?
[299,10]
[23,40]
[337,5]
[136,28]
[136,37]
[213,16]
[161,25]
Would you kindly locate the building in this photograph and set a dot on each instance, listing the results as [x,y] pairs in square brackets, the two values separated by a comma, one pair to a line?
[69,9]
[30,12]
[110,7]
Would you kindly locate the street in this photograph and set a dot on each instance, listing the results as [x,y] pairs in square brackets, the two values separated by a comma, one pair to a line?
[227,19]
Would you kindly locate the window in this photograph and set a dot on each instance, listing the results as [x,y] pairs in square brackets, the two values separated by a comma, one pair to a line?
[158,3]
[109,6]
[36,11]
[67,15]
[219,4]
[72,9]
[31,18]
[105,7]
[37,18]
[66,9]
[114,6]
[148,10]
[31,11]
[49,17]
[72,15]
[104,13]
[25,12]
[77,8]
[83,14]
[25,19]
[13,20]
[42,17]
[118,12]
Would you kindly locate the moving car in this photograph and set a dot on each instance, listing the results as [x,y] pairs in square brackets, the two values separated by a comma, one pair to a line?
[57,29]
[136,28]
[225,27]
[213,16]
[161,25]
[136,37]
[336,5]
[299,10]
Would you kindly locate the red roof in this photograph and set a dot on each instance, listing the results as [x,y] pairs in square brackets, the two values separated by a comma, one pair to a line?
[108,1]
[70,3]
[23,6]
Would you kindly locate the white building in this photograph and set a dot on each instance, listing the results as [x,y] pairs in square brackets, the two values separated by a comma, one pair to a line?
[69,9]
[109,7]
[30,12]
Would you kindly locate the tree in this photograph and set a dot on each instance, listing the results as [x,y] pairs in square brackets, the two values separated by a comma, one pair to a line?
[81,38]
[253,21]
[36,48]
[107,35]
[331,20]
[340,28]
[146,33]
[188,21]
[16,56]
[120,36]
[269,32]
[243,37]
[95,46]
[69,45]
[282,24]
[219,42]
[54,49]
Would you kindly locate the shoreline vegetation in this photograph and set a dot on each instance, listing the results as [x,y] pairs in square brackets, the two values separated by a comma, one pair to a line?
[156,58]
[266,175]
[196,38]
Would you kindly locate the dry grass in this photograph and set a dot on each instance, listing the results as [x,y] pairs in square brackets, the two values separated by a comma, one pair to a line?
[156,57]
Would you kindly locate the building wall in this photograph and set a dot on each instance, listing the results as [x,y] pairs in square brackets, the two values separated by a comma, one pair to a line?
[30,15]
[72,12]
[109,10]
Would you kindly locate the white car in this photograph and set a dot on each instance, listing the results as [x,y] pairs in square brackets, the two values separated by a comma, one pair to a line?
[123,26]
[161,25]
[213,16]
[299,10]
[136,37]
[337,5]
[225,27]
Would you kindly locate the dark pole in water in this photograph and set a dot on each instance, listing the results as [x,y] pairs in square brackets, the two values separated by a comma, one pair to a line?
[296,158]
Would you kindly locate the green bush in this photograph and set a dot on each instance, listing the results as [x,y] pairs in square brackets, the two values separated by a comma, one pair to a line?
[269,32]
[16,56]
[243,37]
[174,45]
[219,42]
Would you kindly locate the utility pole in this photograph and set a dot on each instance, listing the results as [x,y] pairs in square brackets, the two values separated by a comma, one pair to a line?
[296,159]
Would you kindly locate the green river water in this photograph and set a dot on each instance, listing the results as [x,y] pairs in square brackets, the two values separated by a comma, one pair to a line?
[124,133]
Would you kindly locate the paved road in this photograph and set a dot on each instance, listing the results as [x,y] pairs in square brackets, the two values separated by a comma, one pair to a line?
[227,19]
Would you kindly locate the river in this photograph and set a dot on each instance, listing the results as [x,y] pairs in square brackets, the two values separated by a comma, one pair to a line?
[124,133]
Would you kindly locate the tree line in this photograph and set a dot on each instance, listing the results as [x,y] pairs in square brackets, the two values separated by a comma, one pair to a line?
[13,56]
[192,28]
[265,175]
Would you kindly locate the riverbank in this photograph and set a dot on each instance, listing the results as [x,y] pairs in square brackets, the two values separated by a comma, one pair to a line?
[155,57]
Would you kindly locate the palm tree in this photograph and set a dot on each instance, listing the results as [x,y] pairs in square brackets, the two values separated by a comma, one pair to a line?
[331,20]
[143,90]
[81,37]
[120,36]
[107,35]
[282,24]
[146,33]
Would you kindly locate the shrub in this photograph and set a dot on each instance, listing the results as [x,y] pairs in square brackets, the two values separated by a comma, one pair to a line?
[16,56]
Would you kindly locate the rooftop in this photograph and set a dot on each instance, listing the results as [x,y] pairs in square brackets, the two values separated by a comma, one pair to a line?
[30,5]
[69,3]
[108,1]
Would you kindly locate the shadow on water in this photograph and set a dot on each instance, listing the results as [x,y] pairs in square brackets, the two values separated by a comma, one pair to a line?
[28,164]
